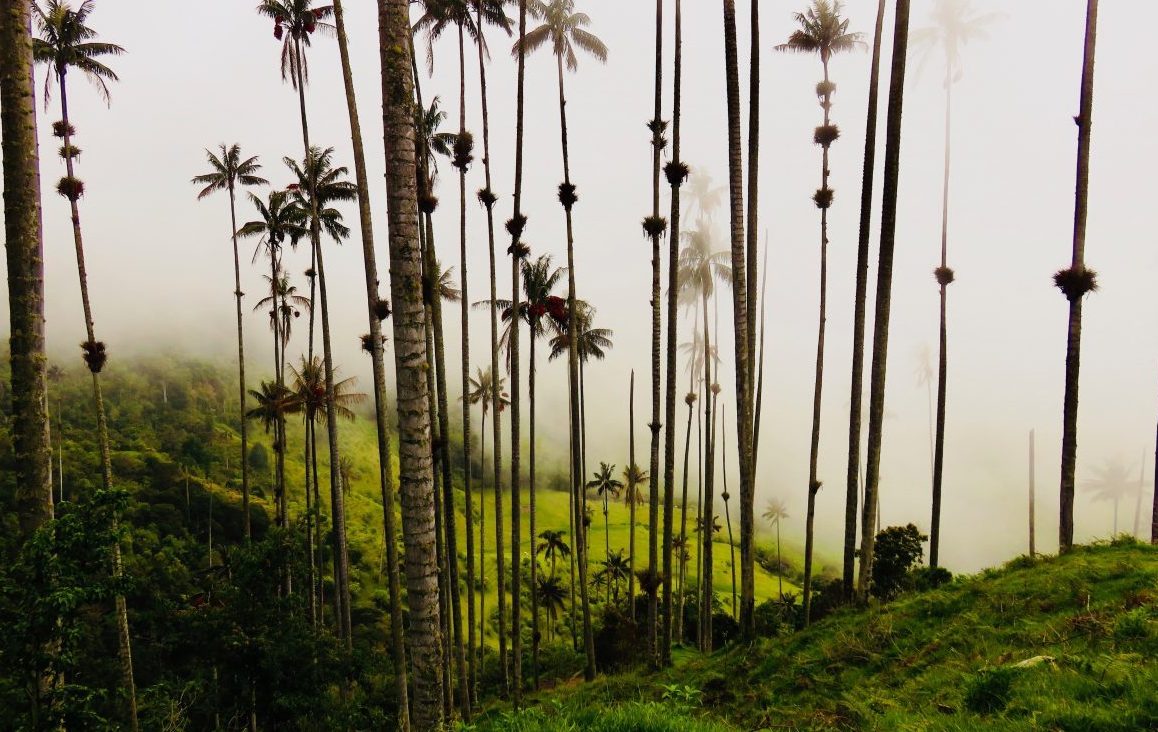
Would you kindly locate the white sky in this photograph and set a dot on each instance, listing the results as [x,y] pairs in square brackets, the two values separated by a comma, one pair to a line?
[161,271]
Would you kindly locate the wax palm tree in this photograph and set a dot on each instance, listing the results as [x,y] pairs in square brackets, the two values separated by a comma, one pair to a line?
[411,362]
[823,31]
[654,226]
[699,270]
[280,221]
[740,296]
[893,128]
[1075,283]
[552,547]
[440,16]
[955,24]
[551,596]
[484,11]
[480,391]
[853,474]
[606,486]
[1110,483]
[614,571]
[295,22]
[773,514]
[228,172]
[67,42]
[676,172]
[681,541]
[23,231]
[563,30]
[378,310]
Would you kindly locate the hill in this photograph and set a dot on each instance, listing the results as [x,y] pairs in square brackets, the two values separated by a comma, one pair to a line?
[1053,643]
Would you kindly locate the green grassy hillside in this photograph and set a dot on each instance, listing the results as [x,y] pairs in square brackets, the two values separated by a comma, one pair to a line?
[1060,643]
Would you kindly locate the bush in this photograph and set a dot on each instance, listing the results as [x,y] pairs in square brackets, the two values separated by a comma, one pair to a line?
[990,690]
[929,578]
[898,548]
[619,643]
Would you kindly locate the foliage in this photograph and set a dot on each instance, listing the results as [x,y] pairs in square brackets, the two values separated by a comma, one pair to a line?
[990,690]
[898,548]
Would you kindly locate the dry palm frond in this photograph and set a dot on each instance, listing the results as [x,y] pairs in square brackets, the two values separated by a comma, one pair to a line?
[825,135]
[944,275]
[677,173]
[1075,283]
[94,355]
[70,187]
[654,226]
[568,195]
[487,197]
[823,198]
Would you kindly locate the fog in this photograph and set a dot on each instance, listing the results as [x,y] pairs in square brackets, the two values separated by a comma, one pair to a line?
[160,265]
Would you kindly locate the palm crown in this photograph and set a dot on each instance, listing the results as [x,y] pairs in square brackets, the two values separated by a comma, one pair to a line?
[480,390]
[227,170]
[774,511]
[309,386]
[330,187]
[302,21]
[823,31]
[441,15]
[700,267]
[955,24]
[281,220]
[563,29]
[67,42]
[593,342]
[604,481]
[283,299]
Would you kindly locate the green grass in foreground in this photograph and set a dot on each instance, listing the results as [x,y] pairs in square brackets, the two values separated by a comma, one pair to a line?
[1061,643]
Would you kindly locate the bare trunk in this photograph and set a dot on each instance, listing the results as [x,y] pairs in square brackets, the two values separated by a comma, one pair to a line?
[631,495]
[657,144]
[852,477]
[679,630]
[707,567]
[385,458]
[240,371]
[32,450]
[943,279]
[884,293]
[1032,497]
[728,513]
[676,180]
[740,311]
[1077,266]
[410,355]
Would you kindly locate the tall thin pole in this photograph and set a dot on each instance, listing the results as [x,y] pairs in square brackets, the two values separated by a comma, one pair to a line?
[1032,514]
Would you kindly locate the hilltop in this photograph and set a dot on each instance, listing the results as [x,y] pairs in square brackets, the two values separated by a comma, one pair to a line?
[1052,643]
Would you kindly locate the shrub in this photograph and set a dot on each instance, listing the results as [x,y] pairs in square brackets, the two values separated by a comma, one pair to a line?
[898,548]
[990,690]
[930,578]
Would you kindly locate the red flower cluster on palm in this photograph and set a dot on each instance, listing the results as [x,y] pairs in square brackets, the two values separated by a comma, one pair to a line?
[557,307]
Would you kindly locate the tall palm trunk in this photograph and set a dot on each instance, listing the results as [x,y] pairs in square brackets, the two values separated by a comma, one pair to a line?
[852,477]
[237,293]
[1032,494]
[465,666]
[1154,514]
[707,568]
[679,630]
[32,449]
[677,173]
[824,199]
[1081,281]
[1138,496]
[488,198]
[482,563]
[727,512]
[515,228]
[375,312]
[567,196]
[124,645]
[753,210]
[410,358]
[944,278]
[884,294]
[631,494]
[656,230]
[531,515]
[740,314]
[337,499]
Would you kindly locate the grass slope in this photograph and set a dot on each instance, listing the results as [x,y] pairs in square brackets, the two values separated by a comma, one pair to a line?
[1061,643]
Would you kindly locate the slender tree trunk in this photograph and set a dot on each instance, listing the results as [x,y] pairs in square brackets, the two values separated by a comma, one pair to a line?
[657,143]
[852,477]
[1138,496]
[488,198]
[531,517]
[337,499]
[410,356]
[818,386]
[573,357]
[944,277]
[482,558]
[1154,514]
[373,299]
[707,566]
[32,449]
[631,494]
[515,228]
[124,646]
[237,293]
[679,631]
[464,659]
[884,293]
[727,512]
[753,219]
[1032,497]
[1075,296]
[740,311]
[676,179]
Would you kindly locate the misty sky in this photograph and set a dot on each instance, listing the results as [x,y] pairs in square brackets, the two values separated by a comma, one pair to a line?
[161,271]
